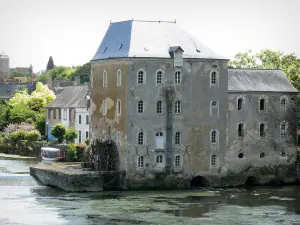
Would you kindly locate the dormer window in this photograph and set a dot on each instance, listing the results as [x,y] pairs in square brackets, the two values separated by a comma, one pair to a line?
[176,52]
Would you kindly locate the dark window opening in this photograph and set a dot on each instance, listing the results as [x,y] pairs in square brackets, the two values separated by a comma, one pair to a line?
[262,130]
[241,130]
[240,104]
[262,104]
[241,155]
[262,155]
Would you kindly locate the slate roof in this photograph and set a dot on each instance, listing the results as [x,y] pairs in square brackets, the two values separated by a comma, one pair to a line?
[258,80]
[135,38]
[6,89]
[71,97]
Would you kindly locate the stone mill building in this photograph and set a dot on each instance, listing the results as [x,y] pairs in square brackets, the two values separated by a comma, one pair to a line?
[180,117]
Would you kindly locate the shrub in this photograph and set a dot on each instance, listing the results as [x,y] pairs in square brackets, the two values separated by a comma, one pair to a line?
[17,135]
[71,153]
[29,120]
[23,126]
[33,135]
[81,150]
[87,142]
[70,135]
[58,131]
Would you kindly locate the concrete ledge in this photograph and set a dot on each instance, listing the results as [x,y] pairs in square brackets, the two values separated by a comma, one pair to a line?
[72,178]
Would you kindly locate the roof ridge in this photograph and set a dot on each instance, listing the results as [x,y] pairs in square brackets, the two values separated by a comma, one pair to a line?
[252,69]
[145,21]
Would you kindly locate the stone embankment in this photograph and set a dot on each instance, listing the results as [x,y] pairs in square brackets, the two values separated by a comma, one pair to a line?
[71,177]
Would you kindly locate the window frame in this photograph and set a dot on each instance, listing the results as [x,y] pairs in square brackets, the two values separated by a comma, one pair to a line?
[159,106]
[141,140]
[176,160]
[240,104]
[241,132]
[283,135]
[139,107]
[216,137]
[87,119]
[264,105]
[285,99]
[216,78]
[144,76]
[79,118]
[119,78]
[104,78]
[161,76]
[264,129]
[104,107]
[177,77]
[86,134]
[159,159]
[177,138]
[177,109]
[140,162]
[214,107]
[118,107]
[213,160]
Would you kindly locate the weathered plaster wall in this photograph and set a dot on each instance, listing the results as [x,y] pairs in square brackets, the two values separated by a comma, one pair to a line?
[252,145]
[99,126]
[195,122]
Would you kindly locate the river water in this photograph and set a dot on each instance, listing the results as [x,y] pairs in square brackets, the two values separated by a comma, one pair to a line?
[23,201]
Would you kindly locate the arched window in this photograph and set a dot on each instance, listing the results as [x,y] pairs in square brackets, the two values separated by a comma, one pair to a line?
[119,78]
[141,79]
[213,161]
[159,107]
[177,161]
[240,104]
[104,78]
[213,108]
[177,107]
[140,107]
[141,138]
[159,158]
[213,78]
[119,107]
[177,77]
[262,104]
[177,138]
[140,161]
[241,130]
[283,104]
[214,137]
[159,77]
[283,128]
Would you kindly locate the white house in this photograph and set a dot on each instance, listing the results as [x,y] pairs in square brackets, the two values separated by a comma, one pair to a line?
[70,108]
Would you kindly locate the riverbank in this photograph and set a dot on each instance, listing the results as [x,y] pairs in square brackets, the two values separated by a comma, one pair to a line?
[15,157]
[72,177]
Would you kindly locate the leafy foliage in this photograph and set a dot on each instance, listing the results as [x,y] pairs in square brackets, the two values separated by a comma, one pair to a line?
[40,122]
[70,135]
[33,135]
[71,152]
[58,131]
[17,135]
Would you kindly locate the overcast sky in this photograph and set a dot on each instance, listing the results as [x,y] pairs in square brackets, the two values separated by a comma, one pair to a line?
[72,30]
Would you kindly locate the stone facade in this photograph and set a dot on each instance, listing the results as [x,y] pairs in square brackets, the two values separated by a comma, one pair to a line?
[180,122]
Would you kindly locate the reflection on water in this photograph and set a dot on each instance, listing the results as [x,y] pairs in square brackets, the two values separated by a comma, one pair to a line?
[29,203]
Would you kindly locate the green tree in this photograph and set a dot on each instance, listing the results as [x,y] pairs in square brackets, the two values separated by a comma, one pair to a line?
[70,135]
[3,116]
[19,114]
[84,72]
[50,64]
[40,123]
[244,60]
[58,131]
